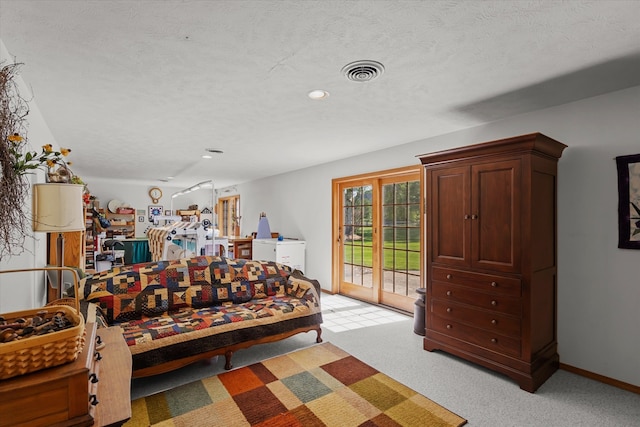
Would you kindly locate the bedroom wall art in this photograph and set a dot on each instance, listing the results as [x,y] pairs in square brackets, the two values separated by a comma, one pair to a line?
[628,201]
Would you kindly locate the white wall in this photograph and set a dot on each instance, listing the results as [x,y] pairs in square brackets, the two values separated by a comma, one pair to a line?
[26,290]
[599,285]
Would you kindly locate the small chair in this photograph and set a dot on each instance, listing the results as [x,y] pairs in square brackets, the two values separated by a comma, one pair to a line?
[115,248]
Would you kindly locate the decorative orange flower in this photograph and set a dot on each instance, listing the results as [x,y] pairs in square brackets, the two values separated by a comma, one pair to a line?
[15,138]
[25,162]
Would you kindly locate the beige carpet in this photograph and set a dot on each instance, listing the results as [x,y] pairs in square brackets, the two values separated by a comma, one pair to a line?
[317,386]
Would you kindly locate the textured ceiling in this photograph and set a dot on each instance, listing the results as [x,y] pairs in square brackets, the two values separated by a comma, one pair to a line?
[139,89]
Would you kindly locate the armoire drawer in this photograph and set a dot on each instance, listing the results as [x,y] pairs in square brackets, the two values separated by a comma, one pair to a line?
[485,282]
[463,294]
[488,320]
[476,336]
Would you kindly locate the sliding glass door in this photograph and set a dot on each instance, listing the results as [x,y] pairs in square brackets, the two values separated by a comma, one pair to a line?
[377,223]
[400,241]
[357,239]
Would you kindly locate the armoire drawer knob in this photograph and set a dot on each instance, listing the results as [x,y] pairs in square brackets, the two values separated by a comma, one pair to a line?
[449,276]
[494,322]
[494,340]
[449,327]
[494,302]
[494,284]
[448,309]
[449,293]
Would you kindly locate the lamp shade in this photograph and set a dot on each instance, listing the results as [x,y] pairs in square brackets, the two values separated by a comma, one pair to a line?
[58,207]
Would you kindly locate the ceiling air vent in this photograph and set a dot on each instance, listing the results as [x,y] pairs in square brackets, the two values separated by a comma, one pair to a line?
[363,71]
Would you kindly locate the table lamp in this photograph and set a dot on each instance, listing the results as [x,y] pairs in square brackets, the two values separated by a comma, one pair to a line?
[57,208]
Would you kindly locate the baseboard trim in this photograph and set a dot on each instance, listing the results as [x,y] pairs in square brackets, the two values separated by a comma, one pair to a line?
[600,378]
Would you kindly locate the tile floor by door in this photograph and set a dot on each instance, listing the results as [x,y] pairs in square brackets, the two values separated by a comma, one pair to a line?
[344,314]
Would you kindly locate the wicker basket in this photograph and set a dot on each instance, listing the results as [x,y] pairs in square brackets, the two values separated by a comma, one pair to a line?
[43,351]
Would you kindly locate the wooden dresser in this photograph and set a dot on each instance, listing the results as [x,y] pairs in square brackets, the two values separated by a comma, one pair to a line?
[491,275]
[94,390]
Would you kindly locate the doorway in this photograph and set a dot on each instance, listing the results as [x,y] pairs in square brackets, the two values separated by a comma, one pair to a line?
[228,211]
[377,234]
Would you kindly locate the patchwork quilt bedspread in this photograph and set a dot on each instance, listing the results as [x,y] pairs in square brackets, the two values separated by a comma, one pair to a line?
[169,310]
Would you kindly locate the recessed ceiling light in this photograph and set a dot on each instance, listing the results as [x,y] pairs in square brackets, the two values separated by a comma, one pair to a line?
[318,94]
[207,156]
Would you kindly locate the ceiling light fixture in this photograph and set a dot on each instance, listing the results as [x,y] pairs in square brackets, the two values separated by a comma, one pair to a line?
[211,150]
[363,71]
[318,94]
[198,186]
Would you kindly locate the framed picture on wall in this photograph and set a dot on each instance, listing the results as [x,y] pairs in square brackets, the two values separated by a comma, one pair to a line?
[167,213]
[155,210]
[628,201]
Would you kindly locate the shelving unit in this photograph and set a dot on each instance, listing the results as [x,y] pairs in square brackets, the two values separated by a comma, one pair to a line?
[122,224]
[187,214]
[89,243]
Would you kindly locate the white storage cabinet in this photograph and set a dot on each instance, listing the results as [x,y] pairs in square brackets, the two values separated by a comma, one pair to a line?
[287,252]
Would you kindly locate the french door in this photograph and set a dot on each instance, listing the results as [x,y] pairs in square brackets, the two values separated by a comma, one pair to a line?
[377,231]
[228,219]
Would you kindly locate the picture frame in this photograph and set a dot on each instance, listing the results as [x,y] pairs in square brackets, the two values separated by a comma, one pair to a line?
[155,210]
[140,218]
[628,201]
[167,213]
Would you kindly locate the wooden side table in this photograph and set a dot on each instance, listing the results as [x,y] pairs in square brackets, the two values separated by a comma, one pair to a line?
[241,247]
[69,395]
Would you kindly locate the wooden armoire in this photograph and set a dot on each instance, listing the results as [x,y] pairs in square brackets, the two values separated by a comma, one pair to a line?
[491,237]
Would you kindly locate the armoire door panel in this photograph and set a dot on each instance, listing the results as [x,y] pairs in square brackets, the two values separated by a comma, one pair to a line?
[451,231]
[495,216]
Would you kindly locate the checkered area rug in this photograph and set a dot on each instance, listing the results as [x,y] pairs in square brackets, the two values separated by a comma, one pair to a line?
[317,386]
